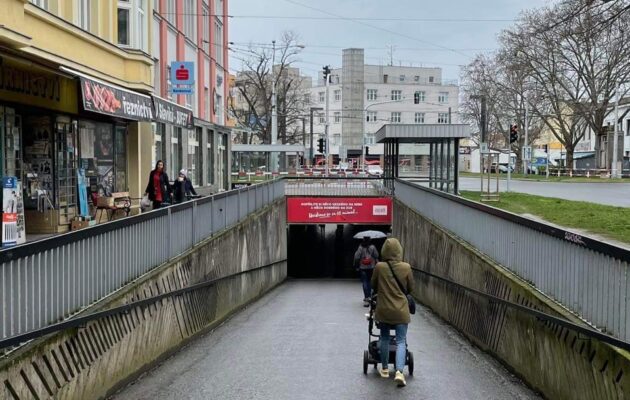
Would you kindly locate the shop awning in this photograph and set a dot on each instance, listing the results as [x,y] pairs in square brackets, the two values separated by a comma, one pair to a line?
[109,99]
[172,113]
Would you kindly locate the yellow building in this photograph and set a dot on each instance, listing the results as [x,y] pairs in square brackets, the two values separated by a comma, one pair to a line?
[75,79]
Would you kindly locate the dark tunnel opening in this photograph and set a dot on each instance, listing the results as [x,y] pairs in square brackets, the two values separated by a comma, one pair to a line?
[325,251]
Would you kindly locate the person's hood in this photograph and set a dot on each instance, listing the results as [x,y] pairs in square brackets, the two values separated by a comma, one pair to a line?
[392,250]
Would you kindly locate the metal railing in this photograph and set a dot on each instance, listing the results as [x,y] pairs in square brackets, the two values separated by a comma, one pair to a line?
[337,186]
[589,277]
[44,282]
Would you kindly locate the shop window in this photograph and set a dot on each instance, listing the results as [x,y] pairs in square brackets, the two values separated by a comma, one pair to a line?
[97,156]
[176,152]
[12,124]
[210,156]
[159,140]
[120,158]
[66,168]
[194,156]
[38,163]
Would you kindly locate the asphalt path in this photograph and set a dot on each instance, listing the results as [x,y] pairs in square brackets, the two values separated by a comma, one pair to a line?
[305,340]
[613,194]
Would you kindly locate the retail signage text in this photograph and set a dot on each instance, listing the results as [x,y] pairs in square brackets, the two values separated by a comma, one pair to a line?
[171,113]
[339,210]
[104,99]
[29,83]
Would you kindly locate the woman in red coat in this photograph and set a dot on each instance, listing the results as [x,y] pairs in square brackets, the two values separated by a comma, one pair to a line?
[159,189]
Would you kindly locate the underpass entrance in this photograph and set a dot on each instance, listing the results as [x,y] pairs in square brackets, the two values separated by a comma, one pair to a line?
[321,232]
[326,250]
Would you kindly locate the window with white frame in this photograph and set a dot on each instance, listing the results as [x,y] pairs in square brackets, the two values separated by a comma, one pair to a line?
[219,108]
[307,98]
[442,118]
[41,3]
[190,20]
[369,139]
[418,97]
[419,118]
[206,94]
[171,9]
[322,119]
[402,78]
[205,35]
[431,79]
[337,95]
[83,14]
[395,118]
[335,140]
[372,94]
[443,97]
[416,78]
[132,24]
[337,117]
[396,95]
[321,97]
[218,45]
[219,8]
[371,116]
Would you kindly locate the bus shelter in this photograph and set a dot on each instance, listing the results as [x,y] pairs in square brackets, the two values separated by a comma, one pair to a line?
[438,144]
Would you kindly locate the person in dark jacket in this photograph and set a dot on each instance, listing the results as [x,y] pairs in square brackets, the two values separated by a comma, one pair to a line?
[392,308]
[158,189]
[365,258]
[183,187]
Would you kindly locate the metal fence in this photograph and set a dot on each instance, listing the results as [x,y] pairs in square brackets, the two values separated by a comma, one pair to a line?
[47,281]
[336,186]
[587,276]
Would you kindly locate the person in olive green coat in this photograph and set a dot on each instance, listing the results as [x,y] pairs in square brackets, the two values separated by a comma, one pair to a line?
[392,309]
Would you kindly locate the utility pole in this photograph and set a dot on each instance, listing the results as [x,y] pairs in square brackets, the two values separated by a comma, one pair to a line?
[274,111]
[327,153]
[614,173]
[525,162]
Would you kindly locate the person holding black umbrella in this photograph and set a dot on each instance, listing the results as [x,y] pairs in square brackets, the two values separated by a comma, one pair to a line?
[365,258]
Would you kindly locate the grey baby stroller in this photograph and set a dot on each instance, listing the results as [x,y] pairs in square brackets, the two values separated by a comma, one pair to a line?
[373,354]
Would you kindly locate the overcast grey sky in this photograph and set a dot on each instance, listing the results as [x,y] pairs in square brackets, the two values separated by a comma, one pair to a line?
[446,44]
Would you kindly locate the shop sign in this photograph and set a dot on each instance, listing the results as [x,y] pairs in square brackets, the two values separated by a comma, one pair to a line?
[182,77]
[36,87]
[13,229]
[101,98]
[339,210]
[171,113]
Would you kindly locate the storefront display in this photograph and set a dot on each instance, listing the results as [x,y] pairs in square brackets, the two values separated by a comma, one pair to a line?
[13,231]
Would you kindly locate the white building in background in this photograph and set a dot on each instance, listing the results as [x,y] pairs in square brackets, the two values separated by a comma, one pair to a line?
[362,98]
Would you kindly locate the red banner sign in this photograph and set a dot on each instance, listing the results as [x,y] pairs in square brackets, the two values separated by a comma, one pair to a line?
[339,210]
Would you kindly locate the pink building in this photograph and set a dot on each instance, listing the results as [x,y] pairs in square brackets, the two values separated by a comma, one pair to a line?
[193,30]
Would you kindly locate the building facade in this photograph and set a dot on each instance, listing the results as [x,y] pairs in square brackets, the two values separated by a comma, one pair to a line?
[73,104]
[85,105]
[362,98]
[193,31]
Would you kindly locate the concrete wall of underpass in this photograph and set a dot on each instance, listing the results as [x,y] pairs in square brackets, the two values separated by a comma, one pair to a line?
[553,360]
[93,361]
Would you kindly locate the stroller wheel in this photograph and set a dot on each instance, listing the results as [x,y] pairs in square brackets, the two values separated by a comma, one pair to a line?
[410,362]
[366,359]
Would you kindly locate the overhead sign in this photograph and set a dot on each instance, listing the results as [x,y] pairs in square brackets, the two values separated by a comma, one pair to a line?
[339,210]
[182,77]
[171,113]
[182,72]
[105,99]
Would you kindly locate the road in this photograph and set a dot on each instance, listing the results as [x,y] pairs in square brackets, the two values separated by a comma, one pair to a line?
[305,340]
[613,194]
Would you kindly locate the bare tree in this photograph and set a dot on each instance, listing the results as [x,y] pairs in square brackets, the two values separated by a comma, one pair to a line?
[254,85]
[577,64]
[506,88]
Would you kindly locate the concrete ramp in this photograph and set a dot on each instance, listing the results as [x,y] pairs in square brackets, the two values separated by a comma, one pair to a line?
[305,340]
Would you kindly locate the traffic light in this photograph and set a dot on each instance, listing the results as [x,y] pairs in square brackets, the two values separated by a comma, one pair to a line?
[321,145]
[326,69]
[513,133]
[367,150]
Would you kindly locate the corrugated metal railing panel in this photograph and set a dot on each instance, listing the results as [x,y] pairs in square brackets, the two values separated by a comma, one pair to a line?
[47,281]
[587,276]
